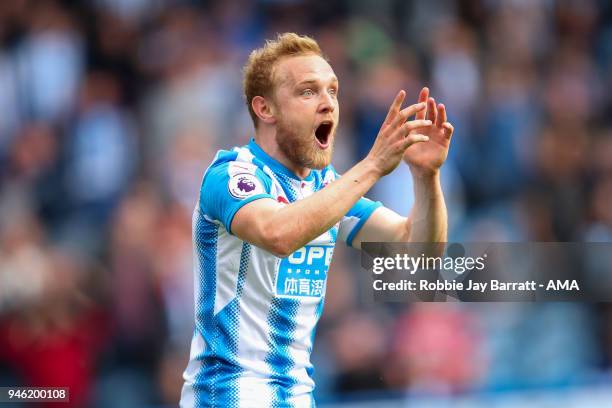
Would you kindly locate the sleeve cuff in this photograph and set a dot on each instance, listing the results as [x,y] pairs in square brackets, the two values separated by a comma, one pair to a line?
[239,205]
[362,220]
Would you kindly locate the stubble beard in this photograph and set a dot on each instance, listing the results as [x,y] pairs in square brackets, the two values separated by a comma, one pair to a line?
[301,149]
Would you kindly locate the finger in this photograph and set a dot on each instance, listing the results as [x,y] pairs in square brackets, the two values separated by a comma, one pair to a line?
[412,139]
[431,110]
[405,113]
[415,124]
[423,95]
[441,115]
[408,127]
[394,108]
[448,129]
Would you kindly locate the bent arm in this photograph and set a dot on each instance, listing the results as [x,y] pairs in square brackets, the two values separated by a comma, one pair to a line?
[427,221]
[282,229]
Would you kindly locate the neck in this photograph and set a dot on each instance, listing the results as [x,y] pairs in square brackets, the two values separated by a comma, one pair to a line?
[266,139]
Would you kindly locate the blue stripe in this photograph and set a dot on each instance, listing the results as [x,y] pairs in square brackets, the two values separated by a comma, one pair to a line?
[334,234]
[216,382]
[244,264]
[205,237]
[310,367]
[285,183]
[226,344]
[318,313]
[282,321]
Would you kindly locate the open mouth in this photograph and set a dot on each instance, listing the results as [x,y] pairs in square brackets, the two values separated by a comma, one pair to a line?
[323,133]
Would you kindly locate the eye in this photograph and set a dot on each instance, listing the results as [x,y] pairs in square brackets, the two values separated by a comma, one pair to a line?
[333,91]
[307,92]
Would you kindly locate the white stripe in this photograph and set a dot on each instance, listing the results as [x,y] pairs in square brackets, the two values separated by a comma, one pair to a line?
[346,226]
[238,167]
[254,392]
[245,155]
[194,366]
[229,249]
[253,345]
[277,188]
[299,352]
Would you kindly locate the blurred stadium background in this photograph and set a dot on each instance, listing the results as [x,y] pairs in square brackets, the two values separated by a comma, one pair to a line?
[110,110]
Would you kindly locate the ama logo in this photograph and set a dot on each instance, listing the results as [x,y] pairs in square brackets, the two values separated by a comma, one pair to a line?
[244,185]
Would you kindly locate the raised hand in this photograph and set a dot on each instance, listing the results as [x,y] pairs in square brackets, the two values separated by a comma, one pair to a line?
[397,134]
[425,159]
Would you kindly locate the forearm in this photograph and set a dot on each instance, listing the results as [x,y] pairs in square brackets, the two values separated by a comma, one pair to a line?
[302,221]
[428,221]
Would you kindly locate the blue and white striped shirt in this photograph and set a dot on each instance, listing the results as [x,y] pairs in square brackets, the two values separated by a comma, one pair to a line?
[256,313]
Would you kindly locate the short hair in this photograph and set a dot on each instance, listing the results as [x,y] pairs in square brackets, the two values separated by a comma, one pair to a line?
[259,69]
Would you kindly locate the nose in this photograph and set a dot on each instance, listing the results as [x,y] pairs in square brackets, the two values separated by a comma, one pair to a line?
[327,103]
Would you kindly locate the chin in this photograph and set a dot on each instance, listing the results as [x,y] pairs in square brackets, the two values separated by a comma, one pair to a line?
[321,158]
[320,165]
[305,150]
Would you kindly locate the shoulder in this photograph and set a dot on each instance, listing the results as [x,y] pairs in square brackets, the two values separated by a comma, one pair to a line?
[230,163]
[233,173]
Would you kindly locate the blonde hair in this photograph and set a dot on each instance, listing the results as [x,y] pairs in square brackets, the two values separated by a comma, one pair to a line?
[259,69]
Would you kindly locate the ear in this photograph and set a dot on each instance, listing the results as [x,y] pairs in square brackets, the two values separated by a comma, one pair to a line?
[264,109]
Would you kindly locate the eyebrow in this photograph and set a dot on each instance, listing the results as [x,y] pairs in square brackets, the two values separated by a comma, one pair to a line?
[314,81]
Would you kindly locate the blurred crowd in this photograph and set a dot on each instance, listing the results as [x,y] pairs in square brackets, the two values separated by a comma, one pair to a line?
[110,111]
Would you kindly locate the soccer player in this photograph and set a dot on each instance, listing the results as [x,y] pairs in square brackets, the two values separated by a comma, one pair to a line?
[268,217]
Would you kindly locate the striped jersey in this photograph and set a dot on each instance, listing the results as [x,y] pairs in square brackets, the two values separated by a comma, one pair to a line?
[256,313]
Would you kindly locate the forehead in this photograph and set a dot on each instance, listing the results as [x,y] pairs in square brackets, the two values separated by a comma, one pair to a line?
[293,70]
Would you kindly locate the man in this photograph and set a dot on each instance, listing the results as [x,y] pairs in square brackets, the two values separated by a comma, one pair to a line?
[268,217]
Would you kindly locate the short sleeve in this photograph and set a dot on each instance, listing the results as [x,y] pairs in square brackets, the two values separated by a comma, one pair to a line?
[352,222]
[230,185]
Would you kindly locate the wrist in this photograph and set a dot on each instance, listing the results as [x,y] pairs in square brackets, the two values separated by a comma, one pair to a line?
[372,167]
[425,175]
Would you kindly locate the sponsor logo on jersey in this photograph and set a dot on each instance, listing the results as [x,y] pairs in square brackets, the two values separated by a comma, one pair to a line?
[304,272]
